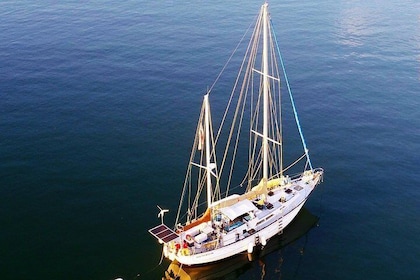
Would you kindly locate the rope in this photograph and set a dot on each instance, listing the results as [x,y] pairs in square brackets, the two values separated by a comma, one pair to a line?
[295,162]
[230,58]
[291,99]
[138,276]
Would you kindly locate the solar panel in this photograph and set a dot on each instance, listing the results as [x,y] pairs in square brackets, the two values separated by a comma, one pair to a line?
[164,233]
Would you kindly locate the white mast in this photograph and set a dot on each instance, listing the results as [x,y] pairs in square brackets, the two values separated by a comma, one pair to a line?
[207,143]
[265,95]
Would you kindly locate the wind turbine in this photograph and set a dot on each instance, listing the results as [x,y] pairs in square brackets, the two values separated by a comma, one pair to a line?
[162,213]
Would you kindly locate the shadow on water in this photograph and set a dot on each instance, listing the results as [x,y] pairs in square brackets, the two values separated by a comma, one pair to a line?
[238,265]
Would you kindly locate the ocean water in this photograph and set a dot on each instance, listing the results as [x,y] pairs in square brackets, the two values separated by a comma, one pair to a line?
[98,105]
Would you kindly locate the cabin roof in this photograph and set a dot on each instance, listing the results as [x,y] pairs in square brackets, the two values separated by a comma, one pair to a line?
[238,209]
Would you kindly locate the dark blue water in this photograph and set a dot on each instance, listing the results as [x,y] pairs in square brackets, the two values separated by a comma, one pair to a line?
[99,101]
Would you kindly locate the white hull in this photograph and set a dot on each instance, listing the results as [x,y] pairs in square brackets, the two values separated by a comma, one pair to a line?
[272,222]
[240,246]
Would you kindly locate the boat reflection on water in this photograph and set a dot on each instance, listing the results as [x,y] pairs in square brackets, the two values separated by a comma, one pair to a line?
[237,265]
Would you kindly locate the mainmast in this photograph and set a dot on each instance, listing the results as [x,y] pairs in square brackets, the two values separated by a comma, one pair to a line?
[207,143]
[265,94]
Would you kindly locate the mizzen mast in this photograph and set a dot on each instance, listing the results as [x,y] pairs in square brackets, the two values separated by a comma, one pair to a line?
[207,143]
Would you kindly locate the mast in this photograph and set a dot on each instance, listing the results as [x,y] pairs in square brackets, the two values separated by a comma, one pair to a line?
[265,95]
[207,143]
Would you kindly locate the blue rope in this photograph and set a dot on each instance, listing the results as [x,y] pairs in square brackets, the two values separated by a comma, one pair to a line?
[291,98]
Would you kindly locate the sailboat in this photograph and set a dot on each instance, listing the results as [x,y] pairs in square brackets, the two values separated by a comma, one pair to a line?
[234,220]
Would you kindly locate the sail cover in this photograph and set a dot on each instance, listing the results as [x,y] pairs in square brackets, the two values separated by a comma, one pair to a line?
[238,209]
[163,233]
